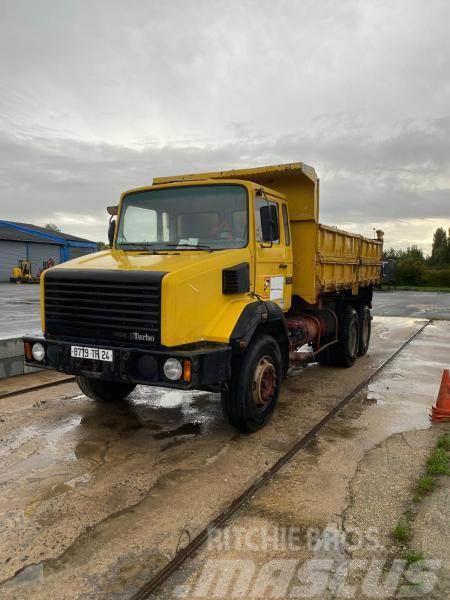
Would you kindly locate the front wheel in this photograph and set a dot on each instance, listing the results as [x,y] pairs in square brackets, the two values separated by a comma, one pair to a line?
[104,391]
[255,385]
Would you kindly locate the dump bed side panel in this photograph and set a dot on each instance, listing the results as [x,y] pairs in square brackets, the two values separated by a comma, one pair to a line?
[371,255]
[304,252]
[346,261]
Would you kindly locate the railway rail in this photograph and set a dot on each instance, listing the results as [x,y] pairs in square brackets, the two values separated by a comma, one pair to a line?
[36,388]
[188,551]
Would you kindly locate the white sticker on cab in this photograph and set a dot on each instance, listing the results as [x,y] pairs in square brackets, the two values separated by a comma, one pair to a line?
[277,288]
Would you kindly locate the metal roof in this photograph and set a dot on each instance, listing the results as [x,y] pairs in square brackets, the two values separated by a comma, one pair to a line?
[26,232]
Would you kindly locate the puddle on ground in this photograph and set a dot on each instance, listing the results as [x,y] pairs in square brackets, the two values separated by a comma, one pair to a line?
[195,428]
[342,427]
[33,448]
[153,412]
[398,376]
[296,369]
[93,450]
[170,412]
[373,397]
[29,575]
[383,334]
[173,413]
[46,451]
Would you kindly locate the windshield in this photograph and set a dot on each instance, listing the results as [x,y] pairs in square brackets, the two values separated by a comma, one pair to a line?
[207,217]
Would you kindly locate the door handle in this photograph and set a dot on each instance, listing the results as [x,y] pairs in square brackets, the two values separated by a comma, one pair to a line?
[283,266]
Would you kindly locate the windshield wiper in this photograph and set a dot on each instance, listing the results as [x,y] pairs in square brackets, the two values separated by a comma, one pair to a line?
[148,247]
[195,246]
[140,244]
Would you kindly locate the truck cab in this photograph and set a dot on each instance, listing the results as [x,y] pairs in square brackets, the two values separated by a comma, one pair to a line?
[210,283]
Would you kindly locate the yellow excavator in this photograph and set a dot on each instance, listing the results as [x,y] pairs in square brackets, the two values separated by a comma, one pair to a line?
[22,273]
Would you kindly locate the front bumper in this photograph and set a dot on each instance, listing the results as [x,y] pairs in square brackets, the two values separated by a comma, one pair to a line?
[209,363]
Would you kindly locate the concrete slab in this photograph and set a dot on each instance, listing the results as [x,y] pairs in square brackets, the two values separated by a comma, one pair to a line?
[10,347]
[12,359]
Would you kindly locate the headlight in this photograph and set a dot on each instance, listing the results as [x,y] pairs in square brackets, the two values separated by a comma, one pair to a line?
[38,352]
[173,369]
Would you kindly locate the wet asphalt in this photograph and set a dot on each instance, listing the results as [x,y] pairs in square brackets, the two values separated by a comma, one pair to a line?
[19,310]
[95,498]
[421,305]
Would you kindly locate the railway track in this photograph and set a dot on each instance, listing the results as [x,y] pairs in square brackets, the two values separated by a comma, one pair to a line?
[188,551]
[35,388]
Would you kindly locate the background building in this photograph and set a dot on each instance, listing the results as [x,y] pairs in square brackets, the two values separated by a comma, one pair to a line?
[24,241]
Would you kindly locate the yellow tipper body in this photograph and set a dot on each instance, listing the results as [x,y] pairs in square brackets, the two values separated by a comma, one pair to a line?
[325,259]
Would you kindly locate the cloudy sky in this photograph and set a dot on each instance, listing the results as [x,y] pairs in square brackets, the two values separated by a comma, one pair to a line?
[99,96]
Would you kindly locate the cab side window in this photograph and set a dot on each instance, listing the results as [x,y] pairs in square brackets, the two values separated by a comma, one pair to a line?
[259,203]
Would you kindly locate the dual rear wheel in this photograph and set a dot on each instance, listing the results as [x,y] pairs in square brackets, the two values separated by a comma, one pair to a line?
[365,329]
[353,338]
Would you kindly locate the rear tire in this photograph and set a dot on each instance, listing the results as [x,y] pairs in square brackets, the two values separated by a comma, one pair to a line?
[104,391]
[255,385]
[345,351]
[365,329]
[323,358]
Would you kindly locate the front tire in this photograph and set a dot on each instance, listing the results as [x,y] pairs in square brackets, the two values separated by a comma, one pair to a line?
[255,385]
[104,391]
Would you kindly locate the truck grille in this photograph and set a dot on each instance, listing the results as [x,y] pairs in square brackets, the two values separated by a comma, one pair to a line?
[105,305]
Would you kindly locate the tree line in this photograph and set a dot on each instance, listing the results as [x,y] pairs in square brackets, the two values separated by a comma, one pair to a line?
[414,268]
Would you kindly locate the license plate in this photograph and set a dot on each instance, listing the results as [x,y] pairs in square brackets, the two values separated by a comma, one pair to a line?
[92,353]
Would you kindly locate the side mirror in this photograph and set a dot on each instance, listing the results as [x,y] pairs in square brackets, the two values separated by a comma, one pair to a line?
[269,223]
[111,231]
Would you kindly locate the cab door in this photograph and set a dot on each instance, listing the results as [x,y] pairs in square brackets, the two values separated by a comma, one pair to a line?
[273,257]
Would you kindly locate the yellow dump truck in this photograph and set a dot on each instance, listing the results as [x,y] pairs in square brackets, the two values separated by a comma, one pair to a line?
[213,281]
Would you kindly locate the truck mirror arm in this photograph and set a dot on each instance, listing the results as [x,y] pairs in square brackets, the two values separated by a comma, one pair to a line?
[111,230]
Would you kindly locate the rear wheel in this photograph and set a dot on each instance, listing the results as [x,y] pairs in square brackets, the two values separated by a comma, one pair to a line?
[255,385]
[344,352]
[104,391]
[365,329]
[324,358]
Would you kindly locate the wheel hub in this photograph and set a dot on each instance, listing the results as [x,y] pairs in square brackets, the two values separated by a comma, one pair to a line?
[264,382]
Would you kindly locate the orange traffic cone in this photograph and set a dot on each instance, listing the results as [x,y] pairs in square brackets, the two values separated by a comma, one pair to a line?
[441,412]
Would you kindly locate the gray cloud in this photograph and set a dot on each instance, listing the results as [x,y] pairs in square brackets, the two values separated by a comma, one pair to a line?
[99,98]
